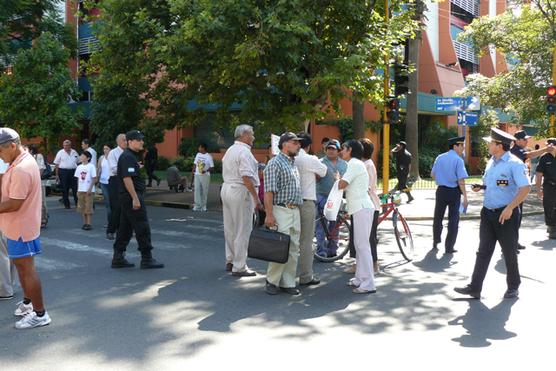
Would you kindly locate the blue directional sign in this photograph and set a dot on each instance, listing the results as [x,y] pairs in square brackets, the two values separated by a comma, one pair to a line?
[468,118]
[471,104]
[448,104]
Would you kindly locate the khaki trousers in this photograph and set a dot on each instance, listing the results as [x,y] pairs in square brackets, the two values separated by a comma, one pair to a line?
[283,275]
[307,214]
[202,184]
[237,207]
[8,273]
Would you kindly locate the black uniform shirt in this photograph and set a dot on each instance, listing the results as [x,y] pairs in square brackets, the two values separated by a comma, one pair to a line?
[403,160]
[547,166]
[128,166]
[519,152]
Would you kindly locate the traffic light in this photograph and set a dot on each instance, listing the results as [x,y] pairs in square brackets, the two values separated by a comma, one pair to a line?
[551,99]
[393,110]
[401,80]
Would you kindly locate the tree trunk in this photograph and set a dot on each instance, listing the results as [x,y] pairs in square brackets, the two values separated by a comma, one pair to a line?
[358,119]
[412,127]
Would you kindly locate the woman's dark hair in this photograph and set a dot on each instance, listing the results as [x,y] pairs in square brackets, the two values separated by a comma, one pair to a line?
[107,145]
[204,145]
[368,147]
[356,148]
[33,149]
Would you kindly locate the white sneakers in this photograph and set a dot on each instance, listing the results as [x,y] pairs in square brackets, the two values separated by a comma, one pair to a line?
[23,309]
[32,320]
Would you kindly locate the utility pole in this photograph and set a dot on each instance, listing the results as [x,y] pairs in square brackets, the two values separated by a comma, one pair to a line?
[386,124]
[552,128]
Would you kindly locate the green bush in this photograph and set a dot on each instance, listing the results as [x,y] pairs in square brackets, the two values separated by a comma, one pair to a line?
[184,163]
[163,163]
[188,147]
[217,167]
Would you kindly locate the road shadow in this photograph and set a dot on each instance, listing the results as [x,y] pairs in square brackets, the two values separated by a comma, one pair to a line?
[434,264]
[547,244]
[483,324]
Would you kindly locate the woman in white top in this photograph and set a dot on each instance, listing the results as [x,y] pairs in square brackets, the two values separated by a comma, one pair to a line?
[356,183]
[103,170]
[34,151]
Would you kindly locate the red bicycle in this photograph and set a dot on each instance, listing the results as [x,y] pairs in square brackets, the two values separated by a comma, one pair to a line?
[340,233]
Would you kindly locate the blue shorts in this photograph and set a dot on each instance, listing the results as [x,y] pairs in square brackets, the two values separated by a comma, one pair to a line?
[19,249]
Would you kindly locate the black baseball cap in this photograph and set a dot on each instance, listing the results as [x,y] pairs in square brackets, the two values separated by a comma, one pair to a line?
[551,141]
[134,135]
[286,137]
[334,143]
[522,134]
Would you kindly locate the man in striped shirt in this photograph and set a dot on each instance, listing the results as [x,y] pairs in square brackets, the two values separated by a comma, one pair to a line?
[282,199]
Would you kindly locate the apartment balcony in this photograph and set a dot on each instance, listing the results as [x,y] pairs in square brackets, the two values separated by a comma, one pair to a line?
[87,42]
[470,6]
[465,52]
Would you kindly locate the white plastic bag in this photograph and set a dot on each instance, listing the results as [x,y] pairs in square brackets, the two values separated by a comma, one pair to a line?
[333,202]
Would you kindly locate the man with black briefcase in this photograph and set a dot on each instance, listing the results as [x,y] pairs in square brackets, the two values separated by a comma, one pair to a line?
[282,199]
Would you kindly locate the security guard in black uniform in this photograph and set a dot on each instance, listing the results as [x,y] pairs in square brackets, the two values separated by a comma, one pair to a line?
[506,184]
[403,166]
[134,213]
[519,150]
[546,172]
[449,174]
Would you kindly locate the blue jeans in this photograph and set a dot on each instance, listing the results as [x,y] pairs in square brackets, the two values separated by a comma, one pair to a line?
[106,196]
[324,246]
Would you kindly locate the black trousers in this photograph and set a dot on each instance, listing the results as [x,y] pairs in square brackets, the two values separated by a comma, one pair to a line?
[450,198]
[402,180]
[115,206]
[150,173]
[491,231]
[133,221]
[373,239]
[68,181]
[549,204]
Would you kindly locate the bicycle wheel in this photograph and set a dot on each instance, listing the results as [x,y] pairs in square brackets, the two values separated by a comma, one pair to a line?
[403,236]
[343,229]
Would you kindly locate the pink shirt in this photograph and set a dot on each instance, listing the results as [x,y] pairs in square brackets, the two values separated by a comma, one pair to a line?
[22,181]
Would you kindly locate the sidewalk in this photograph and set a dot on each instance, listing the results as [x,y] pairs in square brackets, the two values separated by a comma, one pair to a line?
[422,208]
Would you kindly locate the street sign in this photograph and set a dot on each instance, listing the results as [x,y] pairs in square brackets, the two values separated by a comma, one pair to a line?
[472,104]
[448,104]
[468,118]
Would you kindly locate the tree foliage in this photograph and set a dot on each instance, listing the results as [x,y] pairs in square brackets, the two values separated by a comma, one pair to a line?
[22,21]
[283,61]
[34,98]
[527,38]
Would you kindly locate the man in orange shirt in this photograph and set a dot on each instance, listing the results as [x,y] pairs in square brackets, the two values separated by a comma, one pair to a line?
[20,222]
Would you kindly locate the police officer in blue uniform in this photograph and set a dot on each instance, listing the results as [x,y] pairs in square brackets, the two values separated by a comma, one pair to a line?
[506,185]
[519,149]
[449,173]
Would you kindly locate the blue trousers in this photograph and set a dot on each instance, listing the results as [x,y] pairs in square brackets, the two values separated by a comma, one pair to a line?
[450,198]
[324,246]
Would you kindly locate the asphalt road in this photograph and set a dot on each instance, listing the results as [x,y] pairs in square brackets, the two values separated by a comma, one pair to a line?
[194,314]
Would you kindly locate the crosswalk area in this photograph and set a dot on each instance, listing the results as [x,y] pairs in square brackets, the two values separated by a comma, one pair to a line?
[67,247]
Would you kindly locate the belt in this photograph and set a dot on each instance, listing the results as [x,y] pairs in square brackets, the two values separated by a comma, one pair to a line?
[448,187]
[498,210]
[288,205]
[306,199]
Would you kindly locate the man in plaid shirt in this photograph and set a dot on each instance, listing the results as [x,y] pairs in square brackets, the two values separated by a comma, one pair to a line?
[282,199]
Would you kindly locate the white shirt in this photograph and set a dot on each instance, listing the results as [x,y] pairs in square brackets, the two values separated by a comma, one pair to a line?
[203,162]
[113,157]
[104,170]
[3,166]
[238,161]
[371,170]
[65,160]
[93,153]
[309,166]
[85,175]
[357,191]
[40,161]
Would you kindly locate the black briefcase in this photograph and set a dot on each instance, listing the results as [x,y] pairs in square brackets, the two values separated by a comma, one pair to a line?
[269,245]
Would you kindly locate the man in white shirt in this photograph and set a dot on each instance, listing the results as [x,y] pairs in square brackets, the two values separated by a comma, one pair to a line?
[114,186]
[239,199]
[309,168]
[8,272]
[86,146]
[202,165]
[66,163]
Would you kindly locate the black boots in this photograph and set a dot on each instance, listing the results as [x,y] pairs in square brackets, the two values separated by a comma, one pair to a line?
[119,261]
[148,262]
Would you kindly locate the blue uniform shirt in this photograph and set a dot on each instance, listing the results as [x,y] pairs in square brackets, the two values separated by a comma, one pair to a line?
[448,168]
[503,178]
[324,184]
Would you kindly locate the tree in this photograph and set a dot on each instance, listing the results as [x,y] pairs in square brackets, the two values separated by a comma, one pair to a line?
[527,39]
[34,97]
[22,21]
[284,61]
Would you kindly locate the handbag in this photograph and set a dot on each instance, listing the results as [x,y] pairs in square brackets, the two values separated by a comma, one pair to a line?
[269,245]
[333,202]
